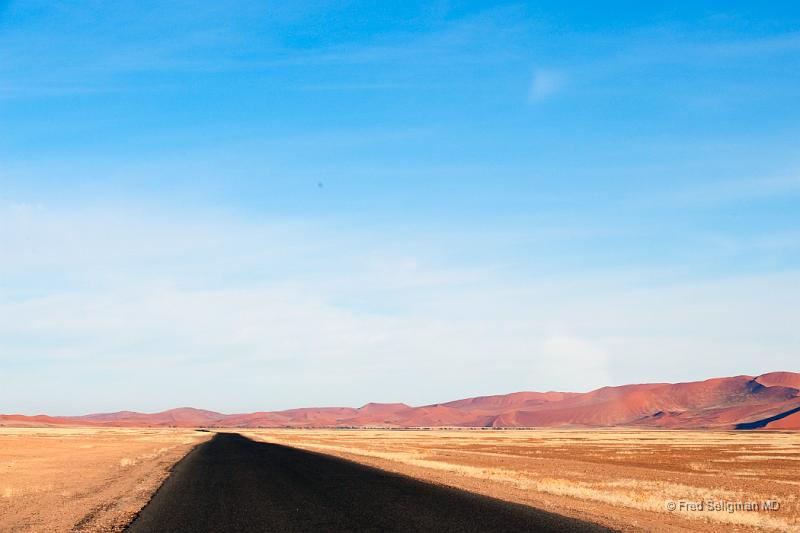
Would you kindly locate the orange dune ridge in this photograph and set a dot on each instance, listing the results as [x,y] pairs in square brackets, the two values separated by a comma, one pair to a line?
[768,401]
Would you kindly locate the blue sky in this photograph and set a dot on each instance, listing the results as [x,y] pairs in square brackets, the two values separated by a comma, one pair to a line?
[251,205]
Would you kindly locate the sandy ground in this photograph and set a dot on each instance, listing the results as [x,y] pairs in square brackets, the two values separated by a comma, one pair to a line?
[83,479]
[623,479]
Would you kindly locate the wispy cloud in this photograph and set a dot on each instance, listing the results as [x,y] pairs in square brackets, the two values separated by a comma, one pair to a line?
[786,43]
[740,190]
[210,40]
[545,84]
[202,305]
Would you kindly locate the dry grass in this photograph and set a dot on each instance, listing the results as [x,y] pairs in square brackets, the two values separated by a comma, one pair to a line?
[97,479]
[54,479]
[620,478]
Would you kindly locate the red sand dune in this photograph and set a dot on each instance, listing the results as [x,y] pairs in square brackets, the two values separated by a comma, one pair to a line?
[39,421]
[790,422]
[769,401]
[786,379]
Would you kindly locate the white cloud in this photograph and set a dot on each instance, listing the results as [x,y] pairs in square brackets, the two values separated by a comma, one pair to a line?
[586,363]
[545,84]
[114,309]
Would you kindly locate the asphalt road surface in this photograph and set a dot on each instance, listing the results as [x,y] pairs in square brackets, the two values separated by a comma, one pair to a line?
[233,484]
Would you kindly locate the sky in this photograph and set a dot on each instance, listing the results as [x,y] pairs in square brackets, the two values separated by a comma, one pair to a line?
[246,206]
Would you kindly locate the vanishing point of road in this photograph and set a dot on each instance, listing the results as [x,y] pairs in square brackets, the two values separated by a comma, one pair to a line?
[233,484]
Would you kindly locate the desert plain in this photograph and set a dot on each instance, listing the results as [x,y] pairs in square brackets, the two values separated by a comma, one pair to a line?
[79,479]
[625,479]
[97,479]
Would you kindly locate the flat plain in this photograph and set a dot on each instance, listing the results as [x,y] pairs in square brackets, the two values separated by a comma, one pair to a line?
[80,479]
[75,479]
[625,479]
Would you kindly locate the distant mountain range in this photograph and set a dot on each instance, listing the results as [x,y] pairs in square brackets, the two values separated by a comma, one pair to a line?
[768,401]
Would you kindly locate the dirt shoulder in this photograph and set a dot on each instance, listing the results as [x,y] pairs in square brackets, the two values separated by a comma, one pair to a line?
[73,479]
